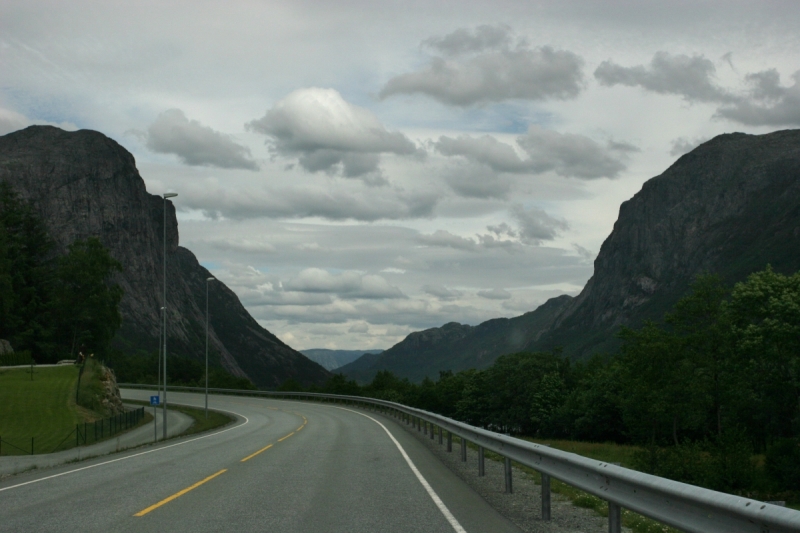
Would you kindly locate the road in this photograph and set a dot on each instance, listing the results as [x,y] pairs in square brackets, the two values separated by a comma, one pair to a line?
[285,466]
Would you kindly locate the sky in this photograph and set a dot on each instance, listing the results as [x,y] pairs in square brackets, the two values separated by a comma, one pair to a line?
[359,170]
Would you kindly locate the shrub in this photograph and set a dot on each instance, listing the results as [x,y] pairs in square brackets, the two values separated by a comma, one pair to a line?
[782,464]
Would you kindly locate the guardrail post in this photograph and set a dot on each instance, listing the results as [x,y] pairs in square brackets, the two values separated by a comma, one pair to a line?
[463,449]
[425,431]
[419,424]
[509,488]
[614,518]
[545,497]
[440,435]
[449,441]
[432,430]
[481,466]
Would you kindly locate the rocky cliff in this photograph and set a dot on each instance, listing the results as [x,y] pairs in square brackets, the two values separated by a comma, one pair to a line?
[84,184]
[731,206]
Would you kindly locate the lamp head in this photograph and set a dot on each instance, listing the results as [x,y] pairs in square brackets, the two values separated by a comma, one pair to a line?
[170,195]
[210,279]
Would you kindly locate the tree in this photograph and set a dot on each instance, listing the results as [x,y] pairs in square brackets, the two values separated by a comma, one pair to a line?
[87,305]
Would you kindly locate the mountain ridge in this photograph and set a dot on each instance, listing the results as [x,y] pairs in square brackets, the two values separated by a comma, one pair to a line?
[730,206]
[85,184]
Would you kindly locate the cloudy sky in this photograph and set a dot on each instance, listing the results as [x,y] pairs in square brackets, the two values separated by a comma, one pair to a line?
[362,171]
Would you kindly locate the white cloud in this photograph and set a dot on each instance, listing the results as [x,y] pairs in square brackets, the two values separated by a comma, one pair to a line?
[441,292]
[195,144]
[566,154]
[326,133]
[690,77]
[768,103]
[442,238]
[535,225]
[347,285]
[495,294]
[240,245]
[482,66]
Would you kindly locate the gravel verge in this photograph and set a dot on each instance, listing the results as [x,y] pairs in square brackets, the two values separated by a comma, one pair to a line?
[523,506]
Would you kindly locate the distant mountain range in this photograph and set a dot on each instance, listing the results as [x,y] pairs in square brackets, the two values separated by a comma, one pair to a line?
[730,206]
[333,359]
[84,184]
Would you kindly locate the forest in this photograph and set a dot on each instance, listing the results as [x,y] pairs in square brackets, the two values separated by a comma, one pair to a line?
[710,394]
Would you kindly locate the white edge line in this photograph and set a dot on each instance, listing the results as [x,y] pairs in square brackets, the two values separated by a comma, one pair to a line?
[432,493]
[246,421]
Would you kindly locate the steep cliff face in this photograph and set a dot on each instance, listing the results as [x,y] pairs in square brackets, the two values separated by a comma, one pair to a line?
[84,184]
[731,206]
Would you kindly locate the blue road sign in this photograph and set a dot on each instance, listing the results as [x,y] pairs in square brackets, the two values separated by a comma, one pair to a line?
[153,400]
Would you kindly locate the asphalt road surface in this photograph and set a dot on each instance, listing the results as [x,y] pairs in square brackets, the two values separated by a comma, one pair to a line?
[285,466]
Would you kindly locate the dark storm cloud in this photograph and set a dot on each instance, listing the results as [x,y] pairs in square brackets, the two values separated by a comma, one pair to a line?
[481,65]
[195,144]
[324,133]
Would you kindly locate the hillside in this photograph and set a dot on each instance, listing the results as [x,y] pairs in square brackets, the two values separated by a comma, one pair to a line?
[84,184]
[457,347]
[332,359]
[730,206]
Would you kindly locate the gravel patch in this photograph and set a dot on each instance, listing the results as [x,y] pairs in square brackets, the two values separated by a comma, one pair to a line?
[523,506]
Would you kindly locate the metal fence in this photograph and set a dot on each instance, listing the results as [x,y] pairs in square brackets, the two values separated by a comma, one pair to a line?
[682,506]
[83,434]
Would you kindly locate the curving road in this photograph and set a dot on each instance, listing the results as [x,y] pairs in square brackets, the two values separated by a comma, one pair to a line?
[284,466]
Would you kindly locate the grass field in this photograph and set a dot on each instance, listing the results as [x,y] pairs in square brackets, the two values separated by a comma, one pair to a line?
[43,408]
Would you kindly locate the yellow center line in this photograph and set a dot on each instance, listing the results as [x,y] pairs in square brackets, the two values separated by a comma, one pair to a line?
[265,448]
[285,437]
[179,494]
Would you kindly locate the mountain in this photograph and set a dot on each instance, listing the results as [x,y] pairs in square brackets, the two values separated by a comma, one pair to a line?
[332,359]
[456,346]
[730,206]
[84,184]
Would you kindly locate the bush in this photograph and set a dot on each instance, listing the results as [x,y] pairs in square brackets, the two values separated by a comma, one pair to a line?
[15,359]
[782,464]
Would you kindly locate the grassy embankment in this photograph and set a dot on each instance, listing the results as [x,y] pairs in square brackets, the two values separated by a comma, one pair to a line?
[201,423]
[45,409]
[608,453]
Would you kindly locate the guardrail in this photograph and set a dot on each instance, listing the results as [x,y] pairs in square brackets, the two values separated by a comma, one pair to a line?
[682,506]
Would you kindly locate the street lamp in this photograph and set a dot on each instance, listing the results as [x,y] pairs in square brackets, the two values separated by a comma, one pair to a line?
[164,415]
[207,280]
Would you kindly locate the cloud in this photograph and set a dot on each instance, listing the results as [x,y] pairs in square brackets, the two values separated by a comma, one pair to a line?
[346,285]
[465,40]
[359,328]
[306,202]
[535,225]
[566,154]
[481,66]
[240,245]
[495,294]
[684,145]
[768,103]
[441,292]
[195,144]
[445,239]
[765,103]
[327,134]
[11,121]
[690,77]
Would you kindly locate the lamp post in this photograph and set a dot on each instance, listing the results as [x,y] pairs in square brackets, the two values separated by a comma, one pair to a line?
[207,280]
[160,336]
[164,412]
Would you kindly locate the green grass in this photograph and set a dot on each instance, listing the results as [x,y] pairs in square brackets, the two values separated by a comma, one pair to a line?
[201,424]
[43,408]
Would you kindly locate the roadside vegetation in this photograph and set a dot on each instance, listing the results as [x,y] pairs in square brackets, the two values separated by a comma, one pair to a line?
[708,396]
[215,419]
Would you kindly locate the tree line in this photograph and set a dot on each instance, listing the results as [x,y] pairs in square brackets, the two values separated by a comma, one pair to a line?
[52,306]
[703,391]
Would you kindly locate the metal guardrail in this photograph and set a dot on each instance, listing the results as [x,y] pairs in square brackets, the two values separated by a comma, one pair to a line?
[682,506]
